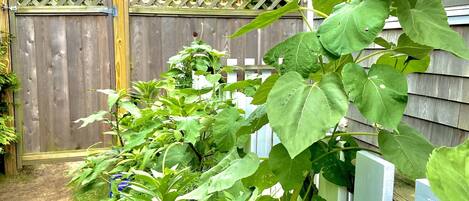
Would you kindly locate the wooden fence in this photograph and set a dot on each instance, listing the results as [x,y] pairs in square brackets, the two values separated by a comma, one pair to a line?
[64,50]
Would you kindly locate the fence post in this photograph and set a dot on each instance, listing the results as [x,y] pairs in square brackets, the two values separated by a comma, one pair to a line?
[121,43]
[11,166]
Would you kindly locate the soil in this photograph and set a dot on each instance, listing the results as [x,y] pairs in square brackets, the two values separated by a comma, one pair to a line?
[46,182]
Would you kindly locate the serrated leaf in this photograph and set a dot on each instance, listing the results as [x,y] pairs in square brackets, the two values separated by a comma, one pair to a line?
[225,127]
[407,149]
[300,53]
[290,172]
[380,95]
[426,23]
[267,18]
[300,113]
[447,171]
[353,25]
[191,128]
[404,64]
[261,94]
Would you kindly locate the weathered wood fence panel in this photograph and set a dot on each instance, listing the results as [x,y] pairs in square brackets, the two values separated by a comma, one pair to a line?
[156,38]
[62,60]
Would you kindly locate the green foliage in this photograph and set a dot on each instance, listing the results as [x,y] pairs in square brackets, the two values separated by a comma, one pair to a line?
[407,149]
[301,113]
[340,35]
[380,95]
[447,172]
[8,83]
[300,53]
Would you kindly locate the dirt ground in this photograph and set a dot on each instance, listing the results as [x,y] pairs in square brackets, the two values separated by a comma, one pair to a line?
[46,182]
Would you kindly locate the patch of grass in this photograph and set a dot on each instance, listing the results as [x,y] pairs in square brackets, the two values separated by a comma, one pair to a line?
[94,194]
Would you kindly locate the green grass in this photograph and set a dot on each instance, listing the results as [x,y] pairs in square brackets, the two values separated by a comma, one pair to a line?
[94,194]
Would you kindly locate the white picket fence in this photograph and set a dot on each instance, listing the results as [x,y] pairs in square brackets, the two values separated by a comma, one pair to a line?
[374,176]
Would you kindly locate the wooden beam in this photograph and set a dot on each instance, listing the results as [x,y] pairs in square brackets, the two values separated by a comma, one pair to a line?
[59,156]
[10,159]
[121,44]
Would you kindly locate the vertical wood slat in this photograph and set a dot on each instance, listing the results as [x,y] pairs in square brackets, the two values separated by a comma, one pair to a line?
[121,44]
[374,178]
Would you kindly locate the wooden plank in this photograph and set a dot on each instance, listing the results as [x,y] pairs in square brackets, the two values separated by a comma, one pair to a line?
[76,77]
[423,192]
[438,86]
[374,178]
[156,65]
[139,48]
[60,156]
[28,76]
[44,77]
[464,117]
[121,44]
[105,72]
[60,110]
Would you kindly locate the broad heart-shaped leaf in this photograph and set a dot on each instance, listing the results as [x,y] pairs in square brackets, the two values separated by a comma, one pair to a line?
[267,18]
[263,178]
[381,96]
[407,46]
[405,64]
[261,94]
[326,6]
[300,113]
[178,154]
[407,149]
[300,53]
[447,171]
[290,172]
[353,26]
[426,23]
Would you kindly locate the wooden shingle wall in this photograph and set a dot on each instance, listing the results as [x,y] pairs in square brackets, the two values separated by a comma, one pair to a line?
[438,104]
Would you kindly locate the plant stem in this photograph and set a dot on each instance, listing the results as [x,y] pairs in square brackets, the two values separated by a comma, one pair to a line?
[344,149]
[316,11]
[306,21]
[372,55]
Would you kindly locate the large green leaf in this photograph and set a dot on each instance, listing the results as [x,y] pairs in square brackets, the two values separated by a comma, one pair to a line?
[426,23]
[267,18]
[98,116]
[300,53]
[447,171]
[236,170]
[300,113]
[263,178]
[407,149]
[191,128]
[254,122]
[225,127]
[261,94]
[405,64]
[353,26]
[290,172]
[411,48]
[178,154]
[381,96]
[326,6]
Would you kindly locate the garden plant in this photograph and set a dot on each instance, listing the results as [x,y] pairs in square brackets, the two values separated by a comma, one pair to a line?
[177,142]
[8,83]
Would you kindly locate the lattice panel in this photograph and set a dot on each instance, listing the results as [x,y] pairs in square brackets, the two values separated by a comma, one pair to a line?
[60,2]
[216,4]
